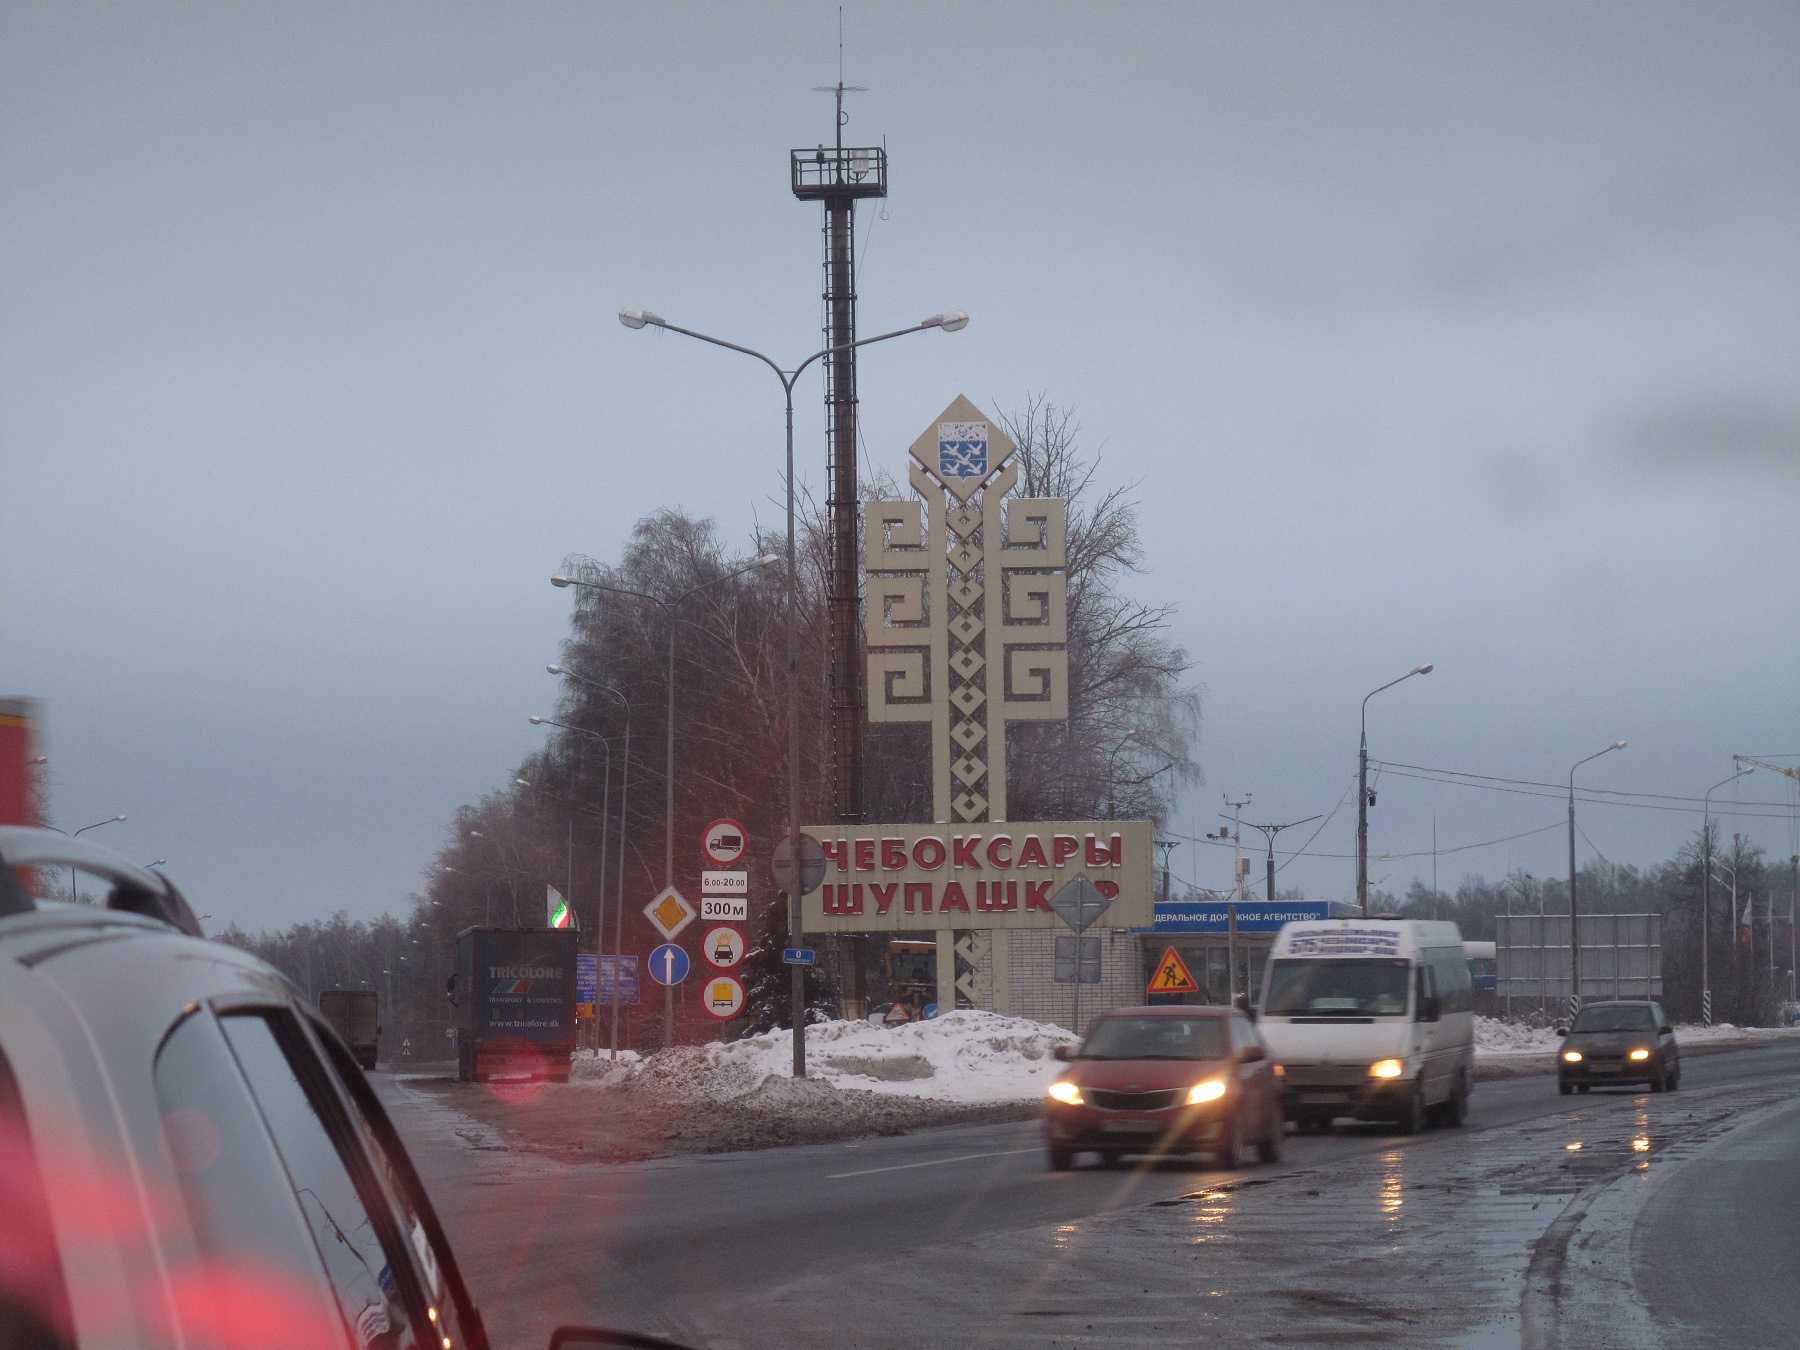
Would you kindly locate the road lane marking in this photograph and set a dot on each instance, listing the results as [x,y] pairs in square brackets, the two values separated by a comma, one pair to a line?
[932,1162]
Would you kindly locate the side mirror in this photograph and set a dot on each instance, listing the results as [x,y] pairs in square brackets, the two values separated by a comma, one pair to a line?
[1251,1013]
[1562,1030]
[1065,1053]
[1666,1031]
[577,1337]
[450,990]
[1250,1054]
[1430,1009]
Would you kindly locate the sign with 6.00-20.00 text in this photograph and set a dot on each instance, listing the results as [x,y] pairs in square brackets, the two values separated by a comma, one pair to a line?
[892,878]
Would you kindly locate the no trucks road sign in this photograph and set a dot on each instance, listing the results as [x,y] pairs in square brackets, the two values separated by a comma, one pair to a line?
[1172,975]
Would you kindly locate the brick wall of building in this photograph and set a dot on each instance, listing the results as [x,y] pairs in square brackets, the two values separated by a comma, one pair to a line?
[1036,995]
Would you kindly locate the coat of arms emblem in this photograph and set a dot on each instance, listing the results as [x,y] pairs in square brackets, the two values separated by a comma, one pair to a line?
[962,450]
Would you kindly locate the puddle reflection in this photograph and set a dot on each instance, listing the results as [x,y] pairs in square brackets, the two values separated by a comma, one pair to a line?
[1393,1185]
[1213,1208]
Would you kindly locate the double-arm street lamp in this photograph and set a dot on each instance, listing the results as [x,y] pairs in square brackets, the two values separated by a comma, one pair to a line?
[951,321]
[669,608]
[1362,791]
[619,884]
[74,898]
[1574,938]
[1706,897]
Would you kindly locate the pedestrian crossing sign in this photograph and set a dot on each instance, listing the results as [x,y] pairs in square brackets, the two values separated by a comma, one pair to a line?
[1172,975]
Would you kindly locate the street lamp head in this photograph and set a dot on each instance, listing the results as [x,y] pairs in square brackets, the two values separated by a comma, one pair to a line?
[560,580]
[1618,745]
[535,721]
[951,321]
[554,669]
[633,317]
[1422,670]
[767,560]
[521,782]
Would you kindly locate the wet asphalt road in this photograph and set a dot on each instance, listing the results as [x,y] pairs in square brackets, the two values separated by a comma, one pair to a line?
[908,1232]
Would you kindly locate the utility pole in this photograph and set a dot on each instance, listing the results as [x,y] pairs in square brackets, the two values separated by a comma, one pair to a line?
[1574,921]
[1237,851]
[837,177]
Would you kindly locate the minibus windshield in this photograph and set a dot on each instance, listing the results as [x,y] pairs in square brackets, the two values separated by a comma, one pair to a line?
[1337,988]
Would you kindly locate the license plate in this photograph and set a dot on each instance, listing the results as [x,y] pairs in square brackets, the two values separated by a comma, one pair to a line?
[1321,1098]
[1131,1126]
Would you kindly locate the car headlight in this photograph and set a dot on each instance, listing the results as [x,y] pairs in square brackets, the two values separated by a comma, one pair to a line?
[1065,1092]
[1386,1068]
[1571,1057]
[1640,1054]
[1209,1091]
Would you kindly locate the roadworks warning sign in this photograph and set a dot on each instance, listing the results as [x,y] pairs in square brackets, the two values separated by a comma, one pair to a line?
[1172,975]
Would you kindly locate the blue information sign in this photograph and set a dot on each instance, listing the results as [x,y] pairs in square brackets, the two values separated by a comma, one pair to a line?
[668,964]
[587,976]
[1253,916]
[799,956]
[628,979]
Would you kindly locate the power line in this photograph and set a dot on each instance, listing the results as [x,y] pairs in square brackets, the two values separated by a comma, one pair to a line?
[1558,793]
[1559,789]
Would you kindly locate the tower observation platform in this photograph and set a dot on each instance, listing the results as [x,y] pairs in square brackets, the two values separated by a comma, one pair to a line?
[826,172]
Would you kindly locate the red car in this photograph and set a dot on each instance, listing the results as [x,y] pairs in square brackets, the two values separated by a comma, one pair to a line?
[1166,1080]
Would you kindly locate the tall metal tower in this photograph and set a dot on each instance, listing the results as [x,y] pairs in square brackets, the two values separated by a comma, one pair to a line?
[838,177]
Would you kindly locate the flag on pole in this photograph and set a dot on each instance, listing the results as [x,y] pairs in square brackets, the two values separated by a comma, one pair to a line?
[560,914]
[1744,921]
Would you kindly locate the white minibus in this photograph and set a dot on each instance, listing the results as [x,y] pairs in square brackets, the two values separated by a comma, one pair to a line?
[1370,1018]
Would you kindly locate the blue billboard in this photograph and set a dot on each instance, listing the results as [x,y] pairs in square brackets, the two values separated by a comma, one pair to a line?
[1253,916]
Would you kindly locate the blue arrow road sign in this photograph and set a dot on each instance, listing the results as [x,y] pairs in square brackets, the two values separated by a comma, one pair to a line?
[668,964]
[799,956]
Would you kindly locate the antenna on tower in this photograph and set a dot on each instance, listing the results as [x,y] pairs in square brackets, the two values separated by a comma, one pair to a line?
[840,88]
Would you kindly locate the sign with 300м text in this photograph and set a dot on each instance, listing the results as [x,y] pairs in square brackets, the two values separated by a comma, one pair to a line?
[893,878]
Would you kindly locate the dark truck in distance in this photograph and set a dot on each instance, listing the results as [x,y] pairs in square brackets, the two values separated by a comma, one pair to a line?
[355,1014]
[514,996]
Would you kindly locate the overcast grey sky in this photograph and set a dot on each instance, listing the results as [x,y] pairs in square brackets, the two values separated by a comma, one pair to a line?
[1430,332]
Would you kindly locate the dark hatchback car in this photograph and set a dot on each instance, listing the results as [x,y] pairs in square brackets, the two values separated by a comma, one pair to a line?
[1625,1041]
[1166,1080]
[189,1154]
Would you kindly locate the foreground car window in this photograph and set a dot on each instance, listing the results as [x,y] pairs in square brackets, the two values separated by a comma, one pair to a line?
[1156,1038]
[361,1271]
[1324,988]
[1615,1019]
[258,1270]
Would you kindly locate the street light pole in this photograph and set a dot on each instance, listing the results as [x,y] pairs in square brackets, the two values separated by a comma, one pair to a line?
[1269,833]
[1574,939]
[619,884]
[1706,897]
[1362,791]
[951,321]
[669,608]
[74,898]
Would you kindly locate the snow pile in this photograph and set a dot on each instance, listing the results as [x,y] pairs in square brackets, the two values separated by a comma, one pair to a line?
[1494,1038]
[965,1056]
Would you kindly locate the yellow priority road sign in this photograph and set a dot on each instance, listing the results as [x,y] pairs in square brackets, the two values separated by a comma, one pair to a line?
[670,913]
[1172,975]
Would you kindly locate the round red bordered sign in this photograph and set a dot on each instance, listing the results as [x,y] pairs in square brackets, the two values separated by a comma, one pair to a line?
[725,842]
[722,947]
[722,996]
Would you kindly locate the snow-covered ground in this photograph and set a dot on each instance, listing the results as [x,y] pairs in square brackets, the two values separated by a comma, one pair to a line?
[962,1056]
